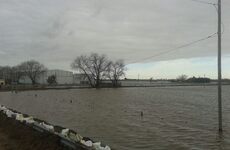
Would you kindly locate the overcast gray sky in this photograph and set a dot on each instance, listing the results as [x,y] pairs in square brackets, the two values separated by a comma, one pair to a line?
[56,31]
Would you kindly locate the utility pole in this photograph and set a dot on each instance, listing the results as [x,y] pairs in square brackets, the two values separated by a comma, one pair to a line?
[219,69]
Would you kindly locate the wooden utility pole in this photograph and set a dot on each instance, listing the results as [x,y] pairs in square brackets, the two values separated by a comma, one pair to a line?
[219,69]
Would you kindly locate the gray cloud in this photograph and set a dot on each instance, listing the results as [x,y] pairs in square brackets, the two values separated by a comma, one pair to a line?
[56,31]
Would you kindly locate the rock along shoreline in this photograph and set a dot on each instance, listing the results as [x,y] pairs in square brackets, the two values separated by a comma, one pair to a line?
[16,127]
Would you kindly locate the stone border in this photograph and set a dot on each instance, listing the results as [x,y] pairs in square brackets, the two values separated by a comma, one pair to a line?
[68,138]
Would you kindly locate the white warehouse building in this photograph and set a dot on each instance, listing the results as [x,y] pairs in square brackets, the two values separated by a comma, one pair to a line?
[62,77]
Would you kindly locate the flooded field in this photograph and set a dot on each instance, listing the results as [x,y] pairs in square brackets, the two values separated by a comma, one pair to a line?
[173,117]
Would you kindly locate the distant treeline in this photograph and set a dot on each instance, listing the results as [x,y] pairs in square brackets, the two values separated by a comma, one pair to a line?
[184,78]
[179,79]
[198,80]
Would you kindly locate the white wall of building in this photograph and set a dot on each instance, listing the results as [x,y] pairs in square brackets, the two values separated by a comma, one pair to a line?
[62,77]
[80,79]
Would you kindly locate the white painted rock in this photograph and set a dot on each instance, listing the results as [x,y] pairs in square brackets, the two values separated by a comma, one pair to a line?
[48,127]
[9,113]
[107,148]
[65,132]
[87,143]
[19,117]
[75,137]
[3,108]
[98,146]
[29,120]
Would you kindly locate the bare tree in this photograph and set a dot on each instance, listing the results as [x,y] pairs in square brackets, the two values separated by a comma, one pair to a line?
[11,74]
[151,80]
[182,78]
[17,73]
[115,71]
[33,69]
[6,73]
[93,66]
[82,64]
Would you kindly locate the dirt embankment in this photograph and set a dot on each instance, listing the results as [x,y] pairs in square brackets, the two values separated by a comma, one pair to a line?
[17,136]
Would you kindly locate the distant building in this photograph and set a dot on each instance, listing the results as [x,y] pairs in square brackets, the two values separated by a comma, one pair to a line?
[80,79]
[62,77]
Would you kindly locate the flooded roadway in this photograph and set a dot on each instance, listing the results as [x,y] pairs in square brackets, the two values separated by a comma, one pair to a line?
[173,117]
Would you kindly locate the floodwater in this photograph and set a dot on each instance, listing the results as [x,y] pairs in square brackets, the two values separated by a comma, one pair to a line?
[177,118]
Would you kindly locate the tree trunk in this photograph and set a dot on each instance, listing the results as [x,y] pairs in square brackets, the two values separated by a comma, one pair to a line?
[33,81]
[97,82]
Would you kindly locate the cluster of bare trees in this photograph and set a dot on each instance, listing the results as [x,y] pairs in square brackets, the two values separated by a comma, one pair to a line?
[98,67]
[95,67]
[31,69]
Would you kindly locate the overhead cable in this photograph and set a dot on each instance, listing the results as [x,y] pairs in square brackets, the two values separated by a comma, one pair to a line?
[174,49]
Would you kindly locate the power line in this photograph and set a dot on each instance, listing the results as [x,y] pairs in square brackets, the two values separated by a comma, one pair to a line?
[187,44]
[175,49]
[204,2]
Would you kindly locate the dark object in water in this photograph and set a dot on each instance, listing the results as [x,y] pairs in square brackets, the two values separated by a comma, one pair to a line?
[142,114]
[71,101]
